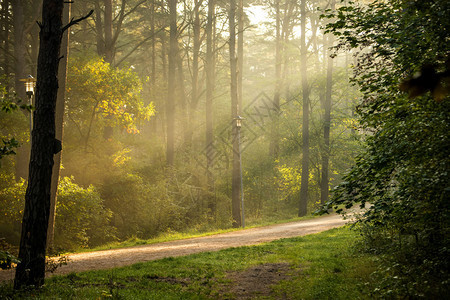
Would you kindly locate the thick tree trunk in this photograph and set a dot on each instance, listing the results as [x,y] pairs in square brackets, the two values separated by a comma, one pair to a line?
[59,121]
[303,204]
[235,181]
[31,269]
[170,104]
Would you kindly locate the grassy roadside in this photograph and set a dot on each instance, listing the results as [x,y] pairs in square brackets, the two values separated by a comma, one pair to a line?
[319,266]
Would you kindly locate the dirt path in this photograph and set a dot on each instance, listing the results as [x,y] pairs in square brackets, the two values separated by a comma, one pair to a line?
[107,259]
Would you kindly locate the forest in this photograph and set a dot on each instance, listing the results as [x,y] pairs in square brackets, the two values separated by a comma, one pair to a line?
[133,119]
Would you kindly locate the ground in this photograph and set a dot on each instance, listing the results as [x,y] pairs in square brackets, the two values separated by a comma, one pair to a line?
[244,284]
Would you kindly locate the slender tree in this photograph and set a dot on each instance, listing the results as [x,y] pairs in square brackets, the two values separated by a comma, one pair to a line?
[324,188]
[235,184]
[305,122]
[274,140]
[170,103]
[209,101]
[19,73]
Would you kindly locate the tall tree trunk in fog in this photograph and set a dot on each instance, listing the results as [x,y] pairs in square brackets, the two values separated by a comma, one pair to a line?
[209,102]
[31,269]
[274,139]
[305,124]
[19,73]
[59,121]
[153,55]
[324,188]
[235,180]
[195,71]
[240,52]
[108,19]
[170,103]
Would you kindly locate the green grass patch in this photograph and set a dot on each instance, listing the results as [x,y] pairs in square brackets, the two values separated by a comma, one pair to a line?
[319,266]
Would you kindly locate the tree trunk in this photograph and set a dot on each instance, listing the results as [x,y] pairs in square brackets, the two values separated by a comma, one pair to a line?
[240,52]
[153,41]
[274,140]
[31,269]
[303,204]
[59,121]
[108,19]
[170,104]
[209,103]
[22,157]
[195,73]
[235,181]
[324,182]
[5,26]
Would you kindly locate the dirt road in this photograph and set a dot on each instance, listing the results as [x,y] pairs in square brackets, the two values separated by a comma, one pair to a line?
[107,259]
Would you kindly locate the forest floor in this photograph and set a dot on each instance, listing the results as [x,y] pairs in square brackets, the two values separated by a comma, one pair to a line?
[107,259]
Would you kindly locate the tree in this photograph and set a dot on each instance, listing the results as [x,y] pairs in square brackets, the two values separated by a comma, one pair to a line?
[210,70]
[305,120]
[403,172]
[170,103]
[235,184]
[59,124]
[324,182]
[31,269]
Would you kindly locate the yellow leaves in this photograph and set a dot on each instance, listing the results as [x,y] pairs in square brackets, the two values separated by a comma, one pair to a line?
[121,157]
[290,179]
[112,94]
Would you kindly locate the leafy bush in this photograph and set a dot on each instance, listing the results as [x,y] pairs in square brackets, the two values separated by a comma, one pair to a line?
[81,218]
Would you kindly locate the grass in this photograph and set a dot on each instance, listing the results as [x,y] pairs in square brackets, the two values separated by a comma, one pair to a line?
[320,266]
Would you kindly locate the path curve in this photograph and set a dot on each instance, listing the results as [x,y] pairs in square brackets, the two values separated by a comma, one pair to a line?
[107,259]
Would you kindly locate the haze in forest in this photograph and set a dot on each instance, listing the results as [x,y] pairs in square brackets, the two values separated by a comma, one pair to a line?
[193,116]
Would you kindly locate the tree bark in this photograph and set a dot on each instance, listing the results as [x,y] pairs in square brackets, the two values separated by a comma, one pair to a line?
[209,103]
[170,103]
[5,26]
[240,52]
[303,203]
[31,269]
[324,182]
[274,140]
[59,128]
[108,19]
[22,157]
[235,181]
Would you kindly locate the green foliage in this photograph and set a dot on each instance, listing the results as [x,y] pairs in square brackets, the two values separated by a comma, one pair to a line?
[403,173]
[102,96]
[9,105]
[81,218]
[7,259]
[12,202]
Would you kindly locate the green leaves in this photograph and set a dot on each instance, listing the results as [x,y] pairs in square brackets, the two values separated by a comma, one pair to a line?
[404,171]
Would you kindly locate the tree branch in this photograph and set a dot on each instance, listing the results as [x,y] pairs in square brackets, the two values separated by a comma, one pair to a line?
[76,21]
